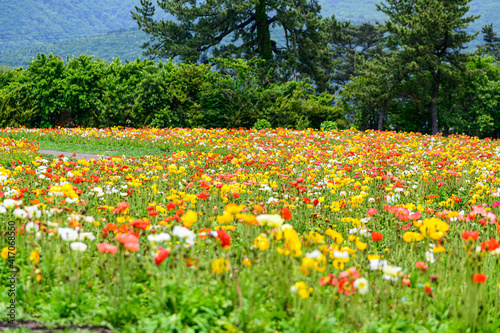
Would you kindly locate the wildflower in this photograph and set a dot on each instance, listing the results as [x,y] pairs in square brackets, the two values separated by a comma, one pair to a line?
[287,215]
[106,248]
[490,245]
[78,246]
[261,242]
[86,235]
[361,286]
[372,211]
[410,236]
[187,235]
[479,278]
[273,221]
[470,235]
[20,213]
[31,227]
[377,236]
[302,289]
[189,219]
[292,244]
[391,272]
[220,265]
[161,237]
[224,238]
[5,252]
[129,241]
[161,255]
[35,257]
[422,266]
[67,234]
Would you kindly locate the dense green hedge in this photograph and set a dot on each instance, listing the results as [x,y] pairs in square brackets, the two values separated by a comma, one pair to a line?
[84,91]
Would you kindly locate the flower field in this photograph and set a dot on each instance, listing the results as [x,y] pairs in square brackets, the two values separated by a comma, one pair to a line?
[255,231]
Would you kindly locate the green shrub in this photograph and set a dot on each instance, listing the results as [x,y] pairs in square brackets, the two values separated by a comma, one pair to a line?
[328,125]
[261,124]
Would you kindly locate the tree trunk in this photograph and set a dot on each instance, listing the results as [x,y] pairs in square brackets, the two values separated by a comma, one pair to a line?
[435,94]
[381,116]
[263,34]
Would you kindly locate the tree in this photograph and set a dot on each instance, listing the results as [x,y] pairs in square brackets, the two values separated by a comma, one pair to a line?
[492,46]
[365,40]
[429,35]
[242,29]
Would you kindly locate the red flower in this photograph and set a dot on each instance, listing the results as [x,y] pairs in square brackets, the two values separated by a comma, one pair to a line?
[346,287]
[307,201]
[170,206]
[490,245]
[470,235]
[203,195]
[161,256]
[287,215]
[377,236]
[479,278]
[139,224]
[372,211]
[422,266]
[225,238]
[129,241]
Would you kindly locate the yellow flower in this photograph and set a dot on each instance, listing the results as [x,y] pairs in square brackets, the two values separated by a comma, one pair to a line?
[233,208]
[438,249]
[411,236]
[335,235]
[220,265]
[361,246]
[292,244]
[226,217]
[246,262]
[434,228]
[5,252]
[189,218]
[262,242]
[35,257]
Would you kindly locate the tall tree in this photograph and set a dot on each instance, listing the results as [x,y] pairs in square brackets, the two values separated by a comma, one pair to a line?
[429,35]
[365,39]
[241,28]
[492,40]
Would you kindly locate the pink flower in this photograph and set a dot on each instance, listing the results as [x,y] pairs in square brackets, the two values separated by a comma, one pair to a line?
[106,248]
[372,211]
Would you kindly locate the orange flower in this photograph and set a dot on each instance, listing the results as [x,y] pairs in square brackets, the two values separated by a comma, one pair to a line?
[287,215]
[479,278]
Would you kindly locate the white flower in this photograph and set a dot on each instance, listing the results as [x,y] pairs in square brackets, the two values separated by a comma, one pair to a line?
[286,226]
[391,272]
[184,233]
[67,234]
[31,227]
[33,211]
[20,213]
[274,221]
[429,256]
[78,246]
[314,254]
[376,264]
[86,235]
[340,255]
[3,210]
[371,200]
[89,219]
[294,289]
[11,203]
[353,231]
[162,237]
[361,285]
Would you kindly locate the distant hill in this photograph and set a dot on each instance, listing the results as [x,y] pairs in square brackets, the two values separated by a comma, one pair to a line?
[105,28]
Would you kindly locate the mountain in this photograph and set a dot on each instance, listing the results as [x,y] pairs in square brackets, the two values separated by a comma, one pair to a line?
[105,28]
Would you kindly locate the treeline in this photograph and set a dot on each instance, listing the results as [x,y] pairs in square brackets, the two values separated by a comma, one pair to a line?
[84,91]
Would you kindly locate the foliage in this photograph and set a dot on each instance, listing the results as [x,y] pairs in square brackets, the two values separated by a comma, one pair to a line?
[242,29]
[328,125]
[261,124]
[90,92]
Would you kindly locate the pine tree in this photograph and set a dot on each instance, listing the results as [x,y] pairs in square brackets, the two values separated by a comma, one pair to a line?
[492,46]
[429,36]
[242,29]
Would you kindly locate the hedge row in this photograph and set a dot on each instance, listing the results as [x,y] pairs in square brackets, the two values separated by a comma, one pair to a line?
[89,92]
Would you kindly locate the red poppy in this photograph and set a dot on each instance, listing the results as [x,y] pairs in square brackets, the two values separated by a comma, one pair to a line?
[202,195]
[490,245]
[225,238]
[161,256]
[422,266]
[346,287]
[479,278]
[470,235]
[287,215]
[307,201]
[377,236]
[139,224]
